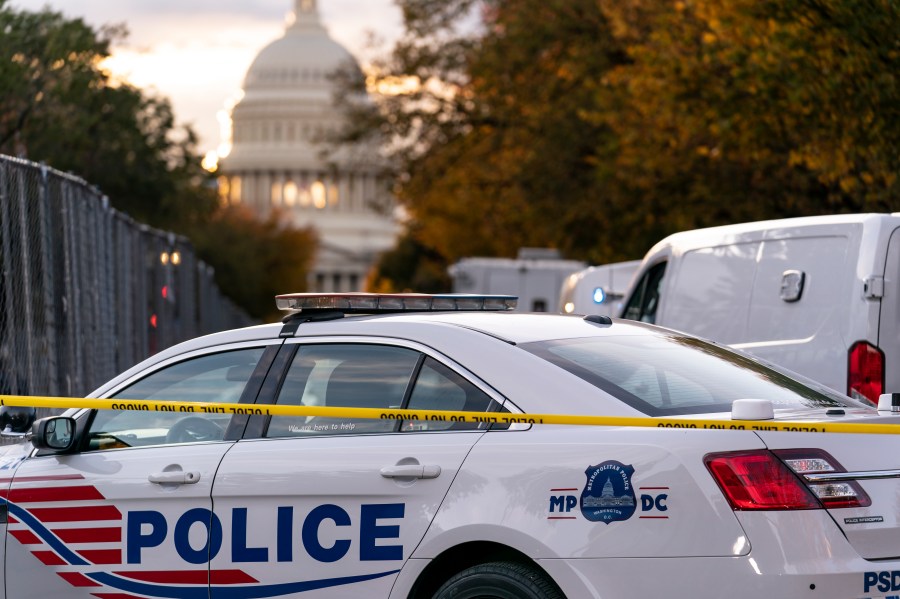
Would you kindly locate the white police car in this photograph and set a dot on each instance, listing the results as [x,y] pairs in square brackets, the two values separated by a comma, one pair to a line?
[140,504]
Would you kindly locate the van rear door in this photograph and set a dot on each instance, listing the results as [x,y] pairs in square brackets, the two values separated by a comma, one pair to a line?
[889,319]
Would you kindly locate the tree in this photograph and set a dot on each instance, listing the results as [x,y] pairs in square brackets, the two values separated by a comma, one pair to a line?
[493,148]
[733,110]
[255,259]
[410,267]
[599,126]
[58,106]
[42,56]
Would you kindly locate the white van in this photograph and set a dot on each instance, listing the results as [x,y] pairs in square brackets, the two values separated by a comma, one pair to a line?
[817,295]
[534,276]
[597,289]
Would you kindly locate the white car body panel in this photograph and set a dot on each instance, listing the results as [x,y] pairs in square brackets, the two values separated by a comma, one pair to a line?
[519,474]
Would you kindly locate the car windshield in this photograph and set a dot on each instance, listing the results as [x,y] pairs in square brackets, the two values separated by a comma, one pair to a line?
[671,374]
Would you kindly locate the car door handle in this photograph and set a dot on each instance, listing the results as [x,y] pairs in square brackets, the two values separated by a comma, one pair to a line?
[411,471]
[176,477]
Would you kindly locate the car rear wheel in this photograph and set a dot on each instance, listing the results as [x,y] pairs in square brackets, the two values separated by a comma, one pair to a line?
[499,580]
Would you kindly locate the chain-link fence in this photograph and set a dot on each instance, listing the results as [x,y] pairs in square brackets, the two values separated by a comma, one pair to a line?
[85,291]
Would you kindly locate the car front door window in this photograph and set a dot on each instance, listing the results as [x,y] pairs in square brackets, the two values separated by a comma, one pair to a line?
[219,378]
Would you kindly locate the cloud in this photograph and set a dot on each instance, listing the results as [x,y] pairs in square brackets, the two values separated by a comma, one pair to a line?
[350,22]
[104,11]
[196,52]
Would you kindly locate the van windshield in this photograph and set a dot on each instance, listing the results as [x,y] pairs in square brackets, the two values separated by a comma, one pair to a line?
[671,374]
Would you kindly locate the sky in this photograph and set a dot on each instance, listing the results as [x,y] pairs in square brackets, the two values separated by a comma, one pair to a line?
[196,52]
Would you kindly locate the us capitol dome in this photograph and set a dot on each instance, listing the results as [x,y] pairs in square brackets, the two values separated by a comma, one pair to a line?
[279,162]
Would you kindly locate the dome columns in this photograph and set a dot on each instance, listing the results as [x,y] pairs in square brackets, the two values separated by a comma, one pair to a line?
[277,162]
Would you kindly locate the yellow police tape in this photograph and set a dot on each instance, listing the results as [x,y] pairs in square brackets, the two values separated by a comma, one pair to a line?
[443,416]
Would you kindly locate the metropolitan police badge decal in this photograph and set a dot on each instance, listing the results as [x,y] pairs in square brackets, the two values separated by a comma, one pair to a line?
[608,495]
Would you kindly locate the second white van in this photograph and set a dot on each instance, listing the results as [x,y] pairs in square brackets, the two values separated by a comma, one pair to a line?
[816,295]
[597,289]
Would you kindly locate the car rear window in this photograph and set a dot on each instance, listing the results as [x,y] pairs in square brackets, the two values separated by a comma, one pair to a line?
[667,375]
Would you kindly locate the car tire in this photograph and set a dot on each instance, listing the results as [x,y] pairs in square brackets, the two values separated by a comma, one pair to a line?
[499,580]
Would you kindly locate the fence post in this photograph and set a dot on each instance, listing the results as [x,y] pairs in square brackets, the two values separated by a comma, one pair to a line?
[50,333]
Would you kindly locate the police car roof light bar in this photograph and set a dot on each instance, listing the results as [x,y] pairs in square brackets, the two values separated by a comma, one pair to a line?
[374,303]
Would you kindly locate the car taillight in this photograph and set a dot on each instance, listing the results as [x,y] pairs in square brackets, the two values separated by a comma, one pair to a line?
[757,480]
[765,480]
[865,372]
[816,467]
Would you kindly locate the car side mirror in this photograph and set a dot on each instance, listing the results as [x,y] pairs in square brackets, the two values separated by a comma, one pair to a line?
[56,433]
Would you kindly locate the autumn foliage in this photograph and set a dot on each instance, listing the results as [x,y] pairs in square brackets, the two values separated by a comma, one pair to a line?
[599,126]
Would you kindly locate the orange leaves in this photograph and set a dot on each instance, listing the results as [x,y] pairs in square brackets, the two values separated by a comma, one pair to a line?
[589,117]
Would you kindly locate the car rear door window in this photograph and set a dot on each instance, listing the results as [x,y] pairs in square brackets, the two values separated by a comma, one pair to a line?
[440,388]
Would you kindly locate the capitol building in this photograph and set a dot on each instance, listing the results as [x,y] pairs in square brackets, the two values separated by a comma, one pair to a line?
[278,161]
